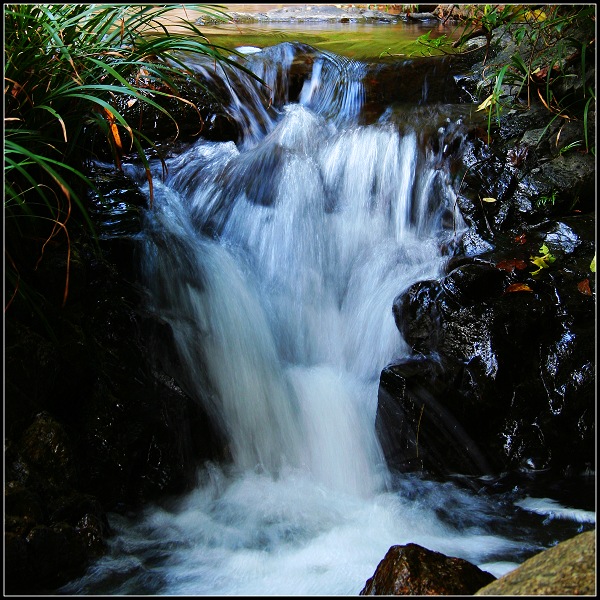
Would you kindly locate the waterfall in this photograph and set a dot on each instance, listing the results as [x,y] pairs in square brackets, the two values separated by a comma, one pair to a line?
[286,304]
[275,261]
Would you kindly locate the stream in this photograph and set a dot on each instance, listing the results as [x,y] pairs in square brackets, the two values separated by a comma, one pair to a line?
[275,261]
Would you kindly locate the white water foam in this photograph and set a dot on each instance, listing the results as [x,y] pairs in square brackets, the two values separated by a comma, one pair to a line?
[554,510]
[249,533]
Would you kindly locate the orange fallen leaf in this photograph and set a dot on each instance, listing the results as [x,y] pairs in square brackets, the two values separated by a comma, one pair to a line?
[584,287]
[113,134]
[520,239]
[511,264]
[517,287]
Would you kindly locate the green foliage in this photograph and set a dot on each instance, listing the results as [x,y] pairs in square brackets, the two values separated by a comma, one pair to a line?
[543,200]
[493,103]
[553,44]
[434,45]
[569,147]
[544,260]
[593,264]
[66,65]
[486,18]
[482,20]
[592,98]
[556,42]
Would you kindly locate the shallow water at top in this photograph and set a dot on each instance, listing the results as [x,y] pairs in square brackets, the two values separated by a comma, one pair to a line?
[362,41]
[353,40]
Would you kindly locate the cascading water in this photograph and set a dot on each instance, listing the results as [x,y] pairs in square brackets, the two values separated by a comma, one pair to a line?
[276,262]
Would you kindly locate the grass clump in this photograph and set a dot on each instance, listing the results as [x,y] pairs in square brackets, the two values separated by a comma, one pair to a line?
[67,69]
[551,48]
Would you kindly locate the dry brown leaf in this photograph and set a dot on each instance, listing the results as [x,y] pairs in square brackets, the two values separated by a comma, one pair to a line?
[584,287]
[520,239]
[511,264]
[517,287]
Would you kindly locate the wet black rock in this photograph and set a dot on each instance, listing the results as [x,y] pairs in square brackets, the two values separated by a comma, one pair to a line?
[502,377]
[504,344]
[94,422]
[55,553]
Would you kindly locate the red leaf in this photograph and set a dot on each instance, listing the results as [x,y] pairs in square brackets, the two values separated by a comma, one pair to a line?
[517,287]
[584,287]
[520,239]
[511,264]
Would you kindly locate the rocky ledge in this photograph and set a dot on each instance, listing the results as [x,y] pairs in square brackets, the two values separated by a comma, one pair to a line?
[567,569]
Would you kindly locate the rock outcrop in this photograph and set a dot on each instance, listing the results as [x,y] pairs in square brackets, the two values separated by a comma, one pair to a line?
[567,569]
[502,372]
[94,422]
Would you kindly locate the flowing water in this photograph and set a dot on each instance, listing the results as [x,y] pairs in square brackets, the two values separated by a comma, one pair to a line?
[276,261]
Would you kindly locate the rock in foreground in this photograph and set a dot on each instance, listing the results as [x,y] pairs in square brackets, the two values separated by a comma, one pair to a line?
[566,569]
[412,570]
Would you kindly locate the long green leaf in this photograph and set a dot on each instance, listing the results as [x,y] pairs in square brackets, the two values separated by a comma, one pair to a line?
[48,165]
[66,64]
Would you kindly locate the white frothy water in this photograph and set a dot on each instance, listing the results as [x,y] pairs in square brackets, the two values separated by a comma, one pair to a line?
[276,263]
[288,310]
[552,509]
[248,533]
[292,304]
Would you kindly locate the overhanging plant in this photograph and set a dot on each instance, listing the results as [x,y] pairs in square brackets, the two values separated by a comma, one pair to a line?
[66,65]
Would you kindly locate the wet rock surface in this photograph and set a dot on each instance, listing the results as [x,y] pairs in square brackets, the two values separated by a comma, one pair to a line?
[412,570]
[502,375]
[195,110]
[503,372]
[95,422]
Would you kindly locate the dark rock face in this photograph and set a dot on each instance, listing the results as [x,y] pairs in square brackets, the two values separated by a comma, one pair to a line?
[502,375]
[95,420]
[414,81]
[55,553]
[530,185]
[189,111]
[503,372]
[412,570]
[417,429]
[195,111]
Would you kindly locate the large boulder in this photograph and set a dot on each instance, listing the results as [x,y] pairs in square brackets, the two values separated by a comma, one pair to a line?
[567,569]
